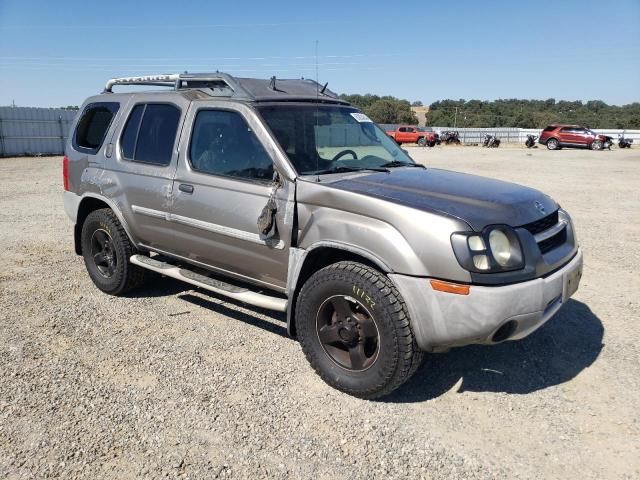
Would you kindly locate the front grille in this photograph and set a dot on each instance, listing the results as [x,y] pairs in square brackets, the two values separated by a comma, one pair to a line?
[543,224]
[553,242]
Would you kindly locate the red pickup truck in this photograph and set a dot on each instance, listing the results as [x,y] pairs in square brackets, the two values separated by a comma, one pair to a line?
[412,134]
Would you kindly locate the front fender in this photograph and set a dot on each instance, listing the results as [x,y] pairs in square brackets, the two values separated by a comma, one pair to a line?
[374,239]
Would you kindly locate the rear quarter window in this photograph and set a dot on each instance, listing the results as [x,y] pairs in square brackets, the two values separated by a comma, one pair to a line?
[549,129]
[93,126]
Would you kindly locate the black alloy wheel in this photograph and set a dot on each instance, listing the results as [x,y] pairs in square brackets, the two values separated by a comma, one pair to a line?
[348,332]
[103,253]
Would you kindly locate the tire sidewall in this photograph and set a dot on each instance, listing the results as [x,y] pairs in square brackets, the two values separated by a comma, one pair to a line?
[552,144]
[325,284]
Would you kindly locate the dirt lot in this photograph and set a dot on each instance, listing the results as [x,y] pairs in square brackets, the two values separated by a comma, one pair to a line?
[175,382]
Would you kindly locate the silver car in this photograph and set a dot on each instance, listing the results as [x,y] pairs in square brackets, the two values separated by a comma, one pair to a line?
[278,194]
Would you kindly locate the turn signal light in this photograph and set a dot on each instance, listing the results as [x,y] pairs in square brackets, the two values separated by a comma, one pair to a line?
[448,287]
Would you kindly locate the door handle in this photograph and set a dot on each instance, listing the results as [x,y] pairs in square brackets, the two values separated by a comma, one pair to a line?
[186,188]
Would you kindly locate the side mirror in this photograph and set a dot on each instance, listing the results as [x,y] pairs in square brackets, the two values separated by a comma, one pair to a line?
[267,218]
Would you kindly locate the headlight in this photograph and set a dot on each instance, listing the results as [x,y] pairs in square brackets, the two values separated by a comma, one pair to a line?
[500,247]
[496,249]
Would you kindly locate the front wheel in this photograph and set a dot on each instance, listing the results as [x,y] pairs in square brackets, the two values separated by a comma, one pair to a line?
[106,249]
[354,329]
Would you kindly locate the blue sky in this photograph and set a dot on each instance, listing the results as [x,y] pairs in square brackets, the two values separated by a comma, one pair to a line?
[56,53]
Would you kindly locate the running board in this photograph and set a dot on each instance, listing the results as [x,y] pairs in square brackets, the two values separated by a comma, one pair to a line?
[217,286]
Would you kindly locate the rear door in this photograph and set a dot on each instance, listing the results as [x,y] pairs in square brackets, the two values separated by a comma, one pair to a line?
[411,135]
[401,135]
[570,136]
[223,182]
[145,157]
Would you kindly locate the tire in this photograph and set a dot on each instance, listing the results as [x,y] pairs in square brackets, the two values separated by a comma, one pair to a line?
[373,351]
[596,145]
[553,144]
[106,249]
[422,141]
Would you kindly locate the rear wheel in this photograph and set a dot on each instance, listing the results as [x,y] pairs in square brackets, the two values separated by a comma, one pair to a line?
[596,145]
[106,249]
[422,141]
[552,144]
[354,329]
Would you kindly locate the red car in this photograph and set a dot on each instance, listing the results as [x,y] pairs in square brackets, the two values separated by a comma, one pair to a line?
[574,136]
[413,134]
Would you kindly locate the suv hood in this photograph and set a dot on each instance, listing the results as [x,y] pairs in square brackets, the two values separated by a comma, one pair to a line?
[478,201]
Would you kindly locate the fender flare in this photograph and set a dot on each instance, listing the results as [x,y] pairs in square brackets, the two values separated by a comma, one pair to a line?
[113,206]
[297,258]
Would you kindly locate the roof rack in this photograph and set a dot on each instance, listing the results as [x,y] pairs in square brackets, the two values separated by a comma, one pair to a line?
[224,85]
[178,81]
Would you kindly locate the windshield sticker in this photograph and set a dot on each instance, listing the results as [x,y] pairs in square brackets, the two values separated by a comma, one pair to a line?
[361,117]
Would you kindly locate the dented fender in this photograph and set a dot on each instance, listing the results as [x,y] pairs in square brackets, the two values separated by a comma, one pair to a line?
[397,238]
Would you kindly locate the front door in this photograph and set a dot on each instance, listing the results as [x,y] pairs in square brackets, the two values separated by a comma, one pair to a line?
[223,182]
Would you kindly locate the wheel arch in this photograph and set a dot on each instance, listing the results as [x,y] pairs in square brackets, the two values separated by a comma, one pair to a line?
[304,263]
[89,203]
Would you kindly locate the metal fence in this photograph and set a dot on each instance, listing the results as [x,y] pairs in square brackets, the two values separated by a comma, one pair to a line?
[34,131]
[44,131]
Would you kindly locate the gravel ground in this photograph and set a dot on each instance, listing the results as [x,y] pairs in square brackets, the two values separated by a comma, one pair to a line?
[174,382]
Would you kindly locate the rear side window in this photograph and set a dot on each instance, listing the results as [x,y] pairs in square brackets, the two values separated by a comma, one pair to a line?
[150,133]
[93,125]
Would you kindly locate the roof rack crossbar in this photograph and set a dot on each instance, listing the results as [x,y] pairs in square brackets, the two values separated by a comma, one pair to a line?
[175,80]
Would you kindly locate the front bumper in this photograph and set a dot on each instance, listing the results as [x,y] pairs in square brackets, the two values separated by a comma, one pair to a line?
[441,320]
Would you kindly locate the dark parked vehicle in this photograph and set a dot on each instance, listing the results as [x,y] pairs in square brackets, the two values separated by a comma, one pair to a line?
[491,141]
[531,140]
[556,137]
[624,142]
[234,186]
[450,137]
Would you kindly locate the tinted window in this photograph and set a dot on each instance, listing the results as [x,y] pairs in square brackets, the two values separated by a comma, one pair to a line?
[130,133]
[548,129]
[150,133]
[223,144]
[402,129]
[157,134]
[93,125]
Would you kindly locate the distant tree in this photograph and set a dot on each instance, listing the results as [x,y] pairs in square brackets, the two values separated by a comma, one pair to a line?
[385,109]
[417,103]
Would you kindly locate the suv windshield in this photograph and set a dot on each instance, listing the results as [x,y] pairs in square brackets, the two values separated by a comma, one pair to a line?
[331,138]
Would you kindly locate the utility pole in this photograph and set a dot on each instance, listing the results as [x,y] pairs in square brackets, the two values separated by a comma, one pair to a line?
[455,118]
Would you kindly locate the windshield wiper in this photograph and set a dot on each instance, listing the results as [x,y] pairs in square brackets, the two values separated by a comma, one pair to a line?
[343,169]
[398,163]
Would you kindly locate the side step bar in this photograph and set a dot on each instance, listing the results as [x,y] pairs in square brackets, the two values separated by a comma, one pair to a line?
[211,284]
